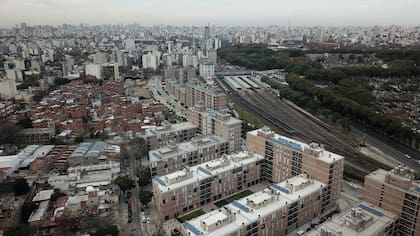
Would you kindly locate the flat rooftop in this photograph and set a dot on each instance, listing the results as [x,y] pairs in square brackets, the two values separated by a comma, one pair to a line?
[404,174]
[169,128]
[364,220]
[249,209]
[43,195]
[324,155]
[186,147]
[205,170]
[88,149]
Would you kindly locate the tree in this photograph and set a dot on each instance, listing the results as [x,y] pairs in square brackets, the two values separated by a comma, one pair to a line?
[61,81]
[9,133]
[109,230]
[145,196]
[27,209]
[144,176]
[124,182]
[20,187]
[22,229]
[138,147]
[56,195]
[25,122]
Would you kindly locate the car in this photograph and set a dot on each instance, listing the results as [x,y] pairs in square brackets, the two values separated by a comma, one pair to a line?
[130,219]
[129,194]
[407,156]
[143,217]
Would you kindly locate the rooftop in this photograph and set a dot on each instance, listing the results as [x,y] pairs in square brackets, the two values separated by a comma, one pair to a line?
[205,170]
[43,195]
[247,210]
[401,177]
[169,128]
[88,149]
[364,220]
[313,149]
[186,147]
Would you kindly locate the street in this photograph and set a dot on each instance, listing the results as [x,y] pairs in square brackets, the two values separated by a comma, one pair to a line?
[387,149]
[154,86]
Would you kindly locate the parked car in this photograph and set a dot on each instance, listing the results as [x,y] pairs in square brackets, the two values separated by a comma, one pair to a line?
[143,217]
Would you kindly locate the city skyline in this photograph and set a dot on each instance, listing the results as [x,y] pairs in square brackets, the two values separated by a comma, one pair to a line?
[188,12]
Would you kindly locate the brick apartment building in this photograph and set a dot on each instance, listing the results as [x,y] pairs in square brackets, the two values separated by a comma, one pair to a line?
[166,134]
[363,220]
[398,192]
[220,123]
[277,210]
[210,96]
[285,158]
[180,192]
[194,92]
[175,157]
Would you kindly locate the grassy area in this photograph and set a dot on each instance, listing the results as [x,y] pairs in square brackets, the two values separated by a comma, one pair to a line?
[239,195]
[248,117]
[191,215]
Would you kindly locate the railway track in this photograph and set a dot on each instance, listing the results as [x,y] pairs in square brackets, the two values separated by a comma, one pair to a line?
[296,125]
[241,101]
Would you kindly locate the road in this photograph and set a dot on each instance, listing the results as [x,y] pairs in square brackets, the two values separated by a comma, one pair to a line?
[389,150]
[154,85]
[136,227]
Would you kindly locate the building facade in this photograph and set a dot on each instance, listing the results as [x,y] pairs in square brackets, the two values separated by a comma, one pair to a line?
[208,95]
[222,124]
[285,158]
[175,157]
[180,192]
[277,210]
[163,135]
[363,220]
[398,192]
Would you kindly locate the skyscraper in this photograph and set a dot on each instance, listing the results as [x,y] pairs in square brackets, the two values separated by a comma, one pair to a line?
[206,33]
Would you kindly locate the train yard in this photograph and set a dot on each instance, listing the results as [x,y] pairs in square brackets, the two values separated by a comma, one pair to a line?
[292,122]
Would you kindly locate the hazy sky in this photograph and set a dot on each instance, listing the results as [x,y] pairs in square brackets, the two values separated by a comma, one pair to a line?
[219,12]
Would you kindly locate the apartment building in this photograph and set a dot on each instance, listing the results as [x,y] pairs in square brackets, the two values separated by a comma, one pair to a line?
[398,192]
[169,133]
[220,123]
[285,157]
[174,157]
[210,96]
[277,210]
[180,192]
[363,220]
[176,89]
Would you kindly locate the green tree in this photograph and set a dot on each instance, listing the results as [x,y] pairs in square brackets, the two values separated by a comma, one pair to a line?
[61,81]
[9,133]
[143,176]
[27,209]
[111,230]
[145,196]
[22,229]
[138,147]
[25,122]
[125,182]
[20,187]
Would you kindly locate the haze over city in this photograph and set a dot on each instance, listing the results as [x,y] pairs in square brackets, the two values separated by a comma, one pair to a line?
[219,12]
[209,118]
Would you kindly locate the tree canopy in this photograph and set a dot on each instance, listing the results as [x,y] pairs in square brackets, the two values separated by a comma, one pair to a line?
[20,187]
[125,182]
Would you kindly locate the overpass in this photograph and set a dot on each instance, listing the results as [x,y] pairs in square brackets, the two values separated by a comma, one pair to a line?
[234,73]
